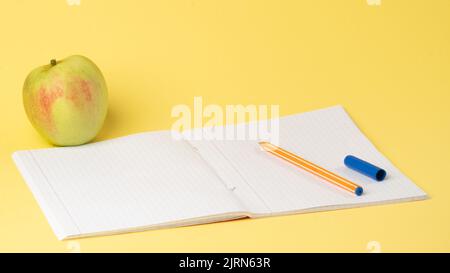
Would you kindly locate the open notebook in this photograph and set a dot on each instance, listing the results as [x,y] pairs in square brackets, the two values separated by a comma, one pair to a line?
[150,180]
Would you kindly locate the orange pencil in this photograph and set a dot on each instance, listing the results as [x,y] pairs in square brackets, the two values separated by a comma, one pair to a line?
[333,178]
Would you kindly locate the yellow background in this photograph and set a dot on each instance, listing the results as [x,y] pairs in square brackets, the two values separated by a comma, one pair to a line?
[388,65]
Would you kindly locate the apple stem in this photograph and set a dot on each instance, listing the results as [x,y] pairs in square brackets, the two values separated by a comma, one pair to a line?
[53,62]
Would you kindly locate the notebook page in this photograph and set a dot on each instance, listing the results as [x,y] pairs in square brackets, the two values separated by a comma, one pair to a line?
[125,183]
[324,137]
[230,175]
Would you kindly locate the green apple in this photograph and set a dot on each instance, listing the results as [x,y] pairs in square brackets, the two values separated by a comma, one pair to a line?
[66,100]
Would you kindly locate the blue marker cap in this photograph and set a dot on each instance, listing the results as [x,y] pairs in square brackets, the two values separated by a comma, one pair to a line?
[365,168]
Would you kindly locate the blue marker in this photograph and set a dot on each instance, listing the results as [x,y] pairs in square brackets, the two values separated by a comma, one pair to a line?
[365,168]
